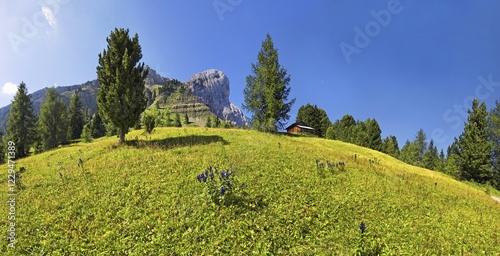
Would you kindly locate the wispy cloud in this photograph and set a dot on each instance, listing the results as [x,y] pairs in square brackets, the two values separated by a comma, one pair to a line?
[47,12]
[9,88]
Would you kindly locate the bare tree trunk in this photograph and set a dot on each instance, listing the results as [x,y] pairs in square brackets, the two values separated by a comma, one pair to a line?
[122,135]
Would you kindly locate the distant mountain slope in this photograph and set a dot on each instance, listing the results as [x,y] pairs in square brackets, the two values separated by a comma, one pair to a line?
[194,103]
[87,91]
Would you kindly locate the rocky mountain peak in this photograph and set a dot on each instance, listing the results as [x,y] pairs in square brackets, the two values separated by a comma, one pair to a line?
[212,88]
[153,77]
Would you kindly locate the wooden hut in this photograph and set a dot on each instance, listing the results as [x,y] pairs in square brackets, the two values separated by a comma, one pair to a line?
[299,127]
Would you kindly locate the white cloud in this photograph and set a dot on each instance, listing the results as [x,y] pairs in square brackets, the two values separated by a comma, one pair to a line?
[9,88]
[47,12]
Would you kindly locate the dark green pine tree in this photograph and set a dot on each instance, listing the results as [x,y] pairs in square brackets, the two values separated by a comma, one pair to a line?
[64,125]
[421,142]
[431,157]
[494,138]
[442,161]
[209,122]
[330,133]
[186,119]
[86,133]
[21,122]
[314,117]
[348,129]
[53,121]
[360,134]
[473,147]
[409,153]
[168,121]
[177,120]
[451,164]
[97,128]
[76,117]
[266,92]
[149,121]
[390,146]
[373,132]
[121,98]
[344,130]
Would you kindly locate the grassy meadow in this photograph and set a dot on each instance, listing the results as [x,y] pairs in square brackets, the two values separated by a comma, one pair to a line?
[143,198]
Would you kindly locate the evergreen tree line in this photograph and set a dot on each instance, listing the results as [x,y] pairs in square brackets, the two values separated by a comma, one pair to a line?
[56,125]
[473,156]
[216,122]
[363,133]
[420,153]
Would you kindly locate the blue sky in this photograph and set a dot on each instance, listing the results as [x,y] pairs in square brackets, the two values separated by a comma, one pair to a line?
[409,64]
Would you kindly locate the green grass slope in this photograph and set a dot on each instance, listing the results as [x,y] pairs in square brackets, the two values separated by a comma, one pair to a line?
[144,199]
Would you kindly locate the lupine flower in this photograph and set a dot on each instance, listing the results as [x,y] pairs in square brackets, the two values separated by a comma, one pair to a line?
[222,190]
[362,227]
[211,175]
[224,174]
[202,177]
[228,184]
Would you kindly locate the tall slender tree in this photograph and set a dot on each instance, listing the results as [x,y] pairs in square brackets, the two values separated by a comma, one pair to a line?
[121,98]
[473,147]
[76,117]
[451,165]
[53,121]
[431,157]
[21,123]
[177,120]
[266,93]
[421,142]
[209,122]
[494,138]
[442,161]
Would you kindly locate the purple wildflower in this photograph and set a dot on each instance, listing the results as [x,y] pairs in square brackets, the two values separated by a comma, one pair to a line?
[362,227]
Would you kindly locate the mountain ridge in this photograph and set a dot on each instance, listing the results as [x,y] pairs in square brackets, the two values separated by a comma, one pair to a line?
[88,95]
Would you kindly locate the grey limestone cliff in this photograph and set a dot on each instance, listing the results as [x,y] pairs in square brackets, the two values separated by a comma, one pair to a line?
[212,88]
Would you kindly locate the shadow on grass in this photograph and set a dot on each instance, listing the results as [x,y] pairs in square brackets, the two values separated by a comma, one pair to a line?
[246,203]
[168,143]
